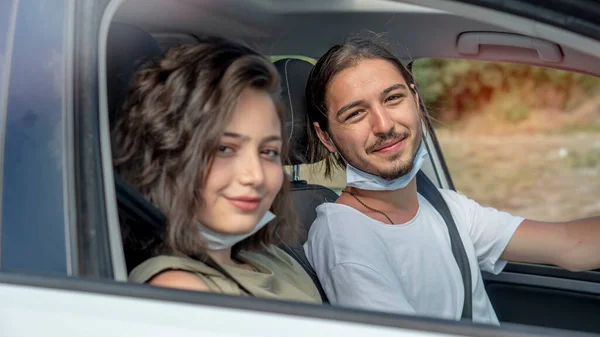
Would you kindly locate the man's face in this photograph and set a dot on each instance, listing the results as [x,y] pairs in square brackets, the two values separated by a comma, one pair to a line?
[373,119]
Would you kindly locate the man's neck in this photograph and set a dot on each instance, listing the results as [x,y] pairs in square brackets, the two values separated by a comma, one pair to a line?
[400,200]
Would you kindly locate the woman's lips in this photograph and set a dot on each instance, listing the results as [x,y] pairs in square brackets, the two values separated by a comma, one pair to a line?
[245,203]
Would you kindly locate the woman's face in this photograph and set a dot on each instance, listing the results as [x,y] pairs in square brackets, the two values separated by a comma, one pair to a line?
[247,172]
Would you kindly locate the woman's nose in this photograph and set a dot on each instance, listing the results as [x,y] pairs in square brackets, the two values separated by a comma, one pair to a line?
[251,171]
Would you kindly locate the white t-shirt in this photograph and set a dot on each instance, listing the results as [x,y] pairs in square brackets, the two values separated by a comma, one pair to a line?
[409,268]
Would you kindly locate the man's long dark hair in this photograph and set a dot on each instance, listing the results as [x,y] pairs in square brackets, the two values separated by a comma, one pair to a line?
[336,59]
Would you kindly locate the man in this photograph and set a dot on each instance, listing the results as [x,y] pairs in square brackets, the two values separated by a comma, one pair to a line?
[381,245]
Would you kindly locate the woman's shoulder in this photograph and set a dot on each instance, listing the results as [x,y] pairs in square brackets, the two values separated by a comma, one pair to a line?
[148,269]
[285,267]
[275,257]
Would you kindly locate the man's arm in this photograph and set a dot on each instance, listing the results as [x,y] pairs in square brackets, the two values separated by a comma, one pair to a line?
[573,245]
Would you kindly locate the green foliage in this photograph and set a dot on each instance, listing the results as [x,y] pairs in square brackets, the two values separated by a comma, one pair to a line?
[584,159]
[453,88]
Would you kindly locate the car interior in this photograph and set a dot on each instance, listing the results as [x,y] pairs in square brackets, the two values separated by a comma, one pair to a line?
[142,29]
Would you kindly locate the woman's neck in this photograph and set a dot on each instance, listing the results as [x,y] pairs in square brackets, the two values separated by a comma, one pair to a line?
[222,256]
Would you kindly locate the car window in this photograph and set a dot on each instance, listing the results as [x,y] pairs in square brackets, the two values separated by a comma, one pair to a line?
[6,32]
[7,14]
[519,138]
[33,216]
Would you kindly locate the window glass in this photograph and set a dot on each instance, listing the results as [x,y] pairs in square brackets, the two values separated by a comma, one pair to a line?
[519,138]
[33,217]
[6,30]
[6,10]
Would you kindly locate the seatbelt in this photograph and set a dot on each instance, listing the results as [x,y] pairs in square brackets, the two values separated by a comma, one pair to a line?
[430,192]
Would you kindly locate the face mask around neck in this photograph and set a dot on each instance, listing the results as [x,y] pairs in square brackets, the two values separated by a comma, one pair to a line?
[218,241]
[366,181]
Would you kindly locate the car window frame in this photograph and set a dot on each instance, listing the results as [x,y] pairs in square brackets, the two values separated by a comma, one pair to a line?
[256,304]
[4,84]
[58,61]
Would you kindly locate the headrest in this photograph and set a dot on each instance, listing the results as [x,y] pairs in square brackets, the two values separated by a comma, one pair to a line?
[294,75]
[128,48]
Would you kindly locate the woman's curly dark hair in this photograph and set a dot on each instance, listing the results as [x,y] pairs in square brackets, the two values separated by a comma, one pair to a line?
[170,128]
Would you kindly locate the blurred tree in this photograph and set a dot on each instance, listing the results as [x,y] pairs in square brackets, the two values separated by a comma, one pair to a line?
[454,88]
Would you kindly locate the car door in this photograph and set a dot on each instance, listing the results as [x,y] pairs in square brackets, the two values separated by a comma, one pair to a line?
[531,294]
[59,251]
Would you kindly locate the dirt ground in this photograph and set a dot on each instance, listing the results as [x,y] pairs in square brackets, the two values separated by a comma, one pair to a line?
[541,176]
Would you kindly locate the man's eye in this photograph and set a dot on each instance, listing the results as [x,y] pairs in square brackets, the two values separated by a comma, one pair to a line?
[394,98]
[352,115]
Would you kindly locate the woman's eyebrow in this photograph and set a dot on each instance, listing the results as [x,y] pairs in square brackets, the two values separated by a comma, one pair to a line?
[269,138]
[235,135]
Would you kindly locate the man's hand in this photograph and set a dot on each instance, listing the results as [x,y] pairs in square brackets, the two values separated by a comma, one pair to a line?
[573,245]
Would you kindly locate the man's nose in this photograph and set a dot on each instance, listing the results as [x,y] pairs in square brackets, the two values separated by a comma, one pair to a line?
[381,120]
[251,170]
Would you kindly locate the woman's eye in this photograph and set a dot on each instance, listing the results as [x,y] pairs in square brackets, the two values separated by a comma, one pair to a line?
[225,149]
[271,153]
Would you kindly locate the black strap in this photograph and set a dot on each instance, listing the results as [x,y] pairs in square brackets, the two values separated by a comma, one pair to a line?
[298,254]
[430,192]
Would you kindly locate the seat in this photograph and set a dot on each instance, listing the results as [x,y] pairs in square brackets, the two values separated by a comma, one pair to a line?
[128,49]
[307,197]
[142,224]
[294,74]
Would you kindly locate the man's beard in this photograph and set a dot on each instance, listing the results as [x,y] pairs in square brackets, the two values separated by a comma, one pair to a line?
[397,169]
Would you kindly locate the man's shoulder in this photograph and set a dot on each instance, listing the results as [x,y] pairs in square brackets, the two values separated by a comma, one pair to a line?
[455,200]
[334,208]
[338,221]
[331,212]
[334,215]
[339,235]
[451,194]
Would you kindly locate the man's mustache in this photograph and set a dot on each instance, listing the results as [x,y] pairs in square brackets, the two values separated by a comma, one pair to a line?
[391,135]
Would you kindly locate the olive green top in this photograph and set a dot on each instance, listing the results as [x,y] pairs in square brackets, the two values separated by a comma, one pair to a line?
[278,275]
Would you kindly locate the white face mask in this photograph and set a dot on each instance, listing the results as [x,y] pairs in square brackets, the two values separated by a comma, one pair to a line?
[217,241]
[366,181]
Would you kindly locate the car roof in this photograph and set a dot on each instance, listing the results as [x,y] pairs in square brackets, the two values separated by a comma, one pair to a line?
[309,27]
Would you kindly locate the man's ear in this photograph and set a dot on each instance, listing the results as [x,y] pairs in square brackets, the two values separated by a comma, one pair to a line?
[414,90]
[324,137]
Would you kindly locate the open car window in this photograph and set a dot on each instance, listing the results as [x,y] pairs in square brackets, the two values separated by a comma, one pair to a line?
[305,171]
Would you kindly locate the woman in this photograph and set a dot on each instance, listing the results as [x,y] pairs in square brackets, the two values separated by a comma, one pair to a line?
[201,136]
